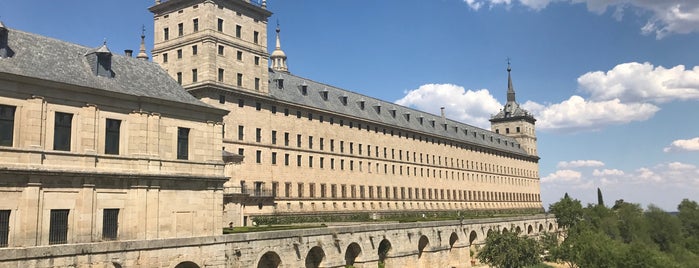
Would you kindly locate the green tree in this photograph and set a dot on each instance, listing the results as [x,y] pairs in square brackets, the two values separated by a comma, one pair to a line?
[568,211]
[664,229]
[509,250]
[631,223]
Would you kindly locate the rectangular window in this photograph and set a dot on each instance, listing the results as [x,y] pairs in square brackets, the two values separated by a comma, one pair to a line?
[322,190]
[221,99]
[300,189]
[110,223]
[286,159]
[220,74]
[180,29]
[258,135]
[274,137]
[179,78]
[239,81]
[195,50]
[238,31]
[239,55]
[58,226]
[182,143]
[310,142]
[220,25]
[298,140]
[255,37]
[194,75]
[61,131]
[241,103]
[274,158]
[111,139]
[310,161]
[287,189]
[220,50]
[298,160]
[257,60]
[195,25]
[258,156]
[166,34]
[164,57]
[241,132]
[321,143]
[257,83]
[7,125]
[4,227]
[286,138]
[258,106]
[179,53]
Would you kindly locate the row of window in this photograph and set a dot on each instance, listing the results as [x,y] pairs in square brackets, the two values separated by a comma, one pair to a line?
[220,50]
[400,134]
[397,193]
[58,225]
[63,127]
[219,27]
[401,205]
[394,154]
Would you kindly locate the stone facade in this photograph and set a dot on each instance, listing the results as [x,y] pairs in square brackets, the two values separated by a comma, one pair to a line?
[312,148]
[88,157]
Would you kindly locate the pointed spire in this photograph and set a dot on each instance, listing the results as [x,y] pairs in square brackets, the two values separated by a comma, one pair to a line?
[278,56]
[142,51]
[510,88]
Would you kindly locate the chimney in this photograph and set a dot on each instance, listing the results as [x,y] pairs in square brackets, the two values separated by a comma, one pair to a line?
[128,53]
[444,117]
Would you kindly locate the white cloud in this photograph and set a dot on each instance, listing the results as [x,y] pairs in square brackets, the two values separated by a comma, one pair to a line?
[607,172]
[683,145]
[472,107]
[642,82]
[665,16]
[580,163]
[576,114]
[564,175]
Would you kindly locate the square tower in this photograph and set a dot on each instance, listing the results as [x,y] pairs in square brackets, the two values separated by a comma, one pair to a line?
[213,43]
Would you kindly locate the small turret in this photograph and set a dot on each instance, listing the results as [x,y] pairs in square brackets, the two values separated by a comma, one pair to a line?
[142,51]
[278,56]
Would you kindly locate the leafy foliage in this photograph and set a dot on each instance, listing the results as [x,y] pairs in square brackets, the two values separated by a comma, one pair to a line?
[509,250]
[625,235]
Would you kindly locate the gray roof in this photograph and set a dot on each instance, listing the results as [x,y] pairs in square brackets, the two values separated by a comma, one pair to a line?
[50,59]
[405,117]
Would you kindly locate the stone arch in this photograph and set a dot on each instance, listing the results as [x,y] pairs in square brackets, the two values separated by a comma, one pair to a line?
[518,230]
[541,227]
[421,245]
[351,253]
[550,227]
[269,260]
[186,264]
[472,237]
[452,239]
[530,229]
[504,230]
[384,250]
[314,257]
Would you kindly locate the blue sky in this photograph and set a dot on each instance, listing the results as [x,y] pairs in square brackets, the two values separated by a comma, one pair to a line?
[614,84]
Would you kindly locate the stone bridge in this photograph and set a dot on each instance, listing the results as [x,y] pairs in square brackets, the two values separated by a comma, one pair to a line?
[419,244]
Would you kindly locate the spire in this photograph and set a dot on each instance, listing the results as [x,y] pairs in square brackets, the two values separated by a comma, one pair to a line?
[510,88]
[278,56]
[142,52]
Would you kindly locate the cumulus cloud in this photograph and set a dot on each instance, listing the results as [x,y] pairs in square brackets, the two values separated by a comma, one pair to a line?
[607,172]
[683,145]
[563,175]
[580,163]
[473,107]
[642,82]
[576,114]
[663,16]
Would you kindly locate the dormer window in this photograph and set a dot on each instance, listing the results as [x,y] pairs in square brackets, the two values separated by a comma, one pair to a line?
[323,93]
[432,123]
[407,116]
[361,104]
[445,127]
[100,61]
[343,99]
[304,88]
[5,51]
[378,108]
[421,119]
[393,113]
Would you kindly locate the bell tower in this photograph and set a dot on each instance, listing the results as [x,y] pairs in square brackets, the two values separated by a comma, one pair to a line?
[213,43]
[513,121]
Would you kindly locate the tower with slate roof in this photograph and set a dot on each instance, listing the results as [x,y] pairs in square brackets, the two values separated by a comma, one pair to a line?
[514,121]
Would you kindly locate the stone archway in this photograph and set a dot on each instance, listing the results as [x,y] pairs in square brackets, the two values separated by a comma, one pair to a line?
[314,257]
[269,260]
[455,253]
[541,228]
[530,230]
[352,253]
[187,264]
[423,257]
[384,250]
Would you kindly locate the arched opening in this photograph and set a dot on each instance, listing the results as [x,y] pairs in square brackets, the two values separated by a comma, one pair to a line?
[519,230]
[384,250]
[187,264]
[452,240]
[530,229]
[269,260]
[421,245]
[472,237]
[353,251]
[504,230]
[314,257]
[550,227]
[541,227]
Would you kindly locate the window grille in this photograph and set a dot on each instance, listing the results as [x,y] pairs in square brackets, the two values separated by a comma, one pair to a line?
[110,224]
[58,229]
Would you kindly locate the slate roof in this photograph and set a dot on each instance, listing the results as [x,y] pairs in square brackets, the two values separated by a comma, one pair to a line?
[50,59]
[405,117]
